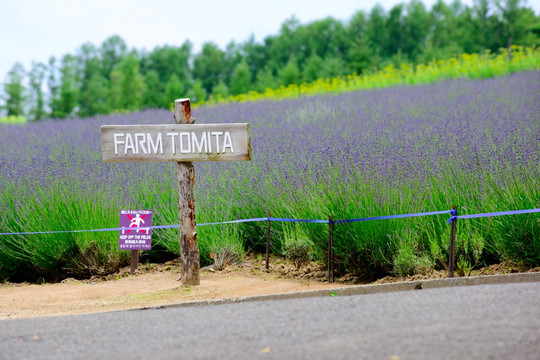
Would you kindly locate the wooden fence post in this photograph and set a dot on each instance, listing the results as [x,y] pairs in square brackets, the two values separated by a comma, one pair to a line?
[189,247]
[134,260]
[452,249]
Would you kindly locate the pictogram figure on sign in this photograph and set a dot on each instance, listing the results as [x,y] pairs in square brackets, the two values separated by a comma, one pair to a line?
[136,221]
[136,230]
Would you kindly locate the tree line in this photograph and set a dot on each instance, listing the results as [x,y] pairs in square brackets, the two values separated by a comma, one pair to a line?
[100,80]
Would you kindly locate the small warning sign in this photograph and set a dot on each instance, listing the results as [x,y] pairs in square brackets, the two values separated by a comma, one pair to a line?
[136,232]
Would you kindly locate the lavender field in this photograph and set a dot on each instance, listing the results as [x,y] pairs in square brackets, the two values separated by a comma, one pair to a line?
[470,143]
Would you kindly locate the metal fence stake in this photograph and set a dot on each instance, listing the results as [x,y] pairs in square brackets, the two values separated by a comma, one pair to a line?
[451,251]
[330,249]
[268,244]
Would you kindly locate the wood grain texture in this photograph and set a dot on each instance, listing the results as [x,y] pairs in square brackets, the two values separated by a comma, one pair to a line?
[189,246]
[176,142]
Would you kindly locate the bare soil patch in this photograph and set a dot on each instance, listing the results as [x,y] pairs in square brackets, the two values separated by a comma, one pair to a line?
[159,284]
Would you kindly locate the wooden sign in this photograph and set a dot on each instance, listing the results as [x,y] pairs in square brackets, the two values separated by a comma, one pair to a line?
[176,142]
[183,143]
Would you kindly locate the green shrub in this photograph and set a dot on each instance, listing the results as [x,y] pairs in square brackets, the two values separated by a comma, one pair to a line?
[409,259]
[297,246]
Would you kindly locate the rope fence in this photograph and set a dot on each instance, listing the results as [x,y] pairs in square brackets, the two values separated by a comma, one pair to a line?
[452,221]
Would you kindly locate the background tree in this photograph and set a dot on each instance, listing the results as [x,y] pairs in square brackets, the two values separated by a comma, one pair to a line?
[265,79]
[69,88]
[326,38]
[174,89]
[220,90]
[96,96]
[53,84]
[166,61]
[290,74]
[131,83]
[484,26]
[112,51]
[358,56]
[241,79]
[115,99]
[153,97]
[93,84]
[255,56]
[282,47]
[208,66]
[36,78]
[376,32]
[416,23]
[232,58]
[443,40]
[515,20]
[313,68]
[395,28]
[107,78]
[15,91]
[197,92]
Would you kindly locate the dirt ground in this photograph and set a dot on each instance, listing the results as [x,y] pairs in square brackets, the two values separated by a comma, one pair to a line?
[160,284]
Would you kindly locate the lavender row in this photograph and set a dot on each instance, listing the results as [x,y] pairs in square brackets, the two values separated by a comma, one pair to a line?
[473,143]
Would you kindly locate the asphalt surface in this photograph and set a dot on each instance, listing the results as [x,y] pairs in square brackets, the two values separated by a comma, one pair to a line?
[470,322]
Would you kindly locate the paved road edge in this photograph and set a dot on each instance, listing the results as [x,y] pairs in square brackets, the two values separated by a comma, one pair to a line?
[368,289]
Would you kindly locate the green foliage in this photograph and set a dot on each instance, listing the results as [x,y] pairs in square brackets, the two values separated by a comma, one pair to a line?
[472,66]
[14,90]
[333,67]
[290,74]
[112,51]
[409,259]
[109,78]
[69,90]
[37,77]
[93,85]
[167,61]
[208,66]
[197,92]
[154,91]
[220,91]
[96,96]
[131,84]
[265,80]
[520,240]
[53,84]
[174,89]
[53,256]
[241,78]
[312,68]
[517,238]
[296,245]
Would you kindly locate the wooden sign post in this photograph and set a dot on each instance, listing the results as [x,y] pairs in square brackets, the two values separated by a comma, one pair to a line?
[184,143]
[189,246]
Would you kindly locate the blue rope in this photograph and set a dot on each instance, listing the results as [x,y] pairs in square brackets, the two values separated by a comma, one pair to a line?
[513,212]
[65,231]
[452,212]
[298,220]
[234,221]
[393,216]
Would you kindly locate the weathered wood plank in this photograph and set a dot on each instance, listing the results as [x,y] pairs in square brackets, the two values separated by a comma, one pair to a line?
[176,142]
[189,246]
